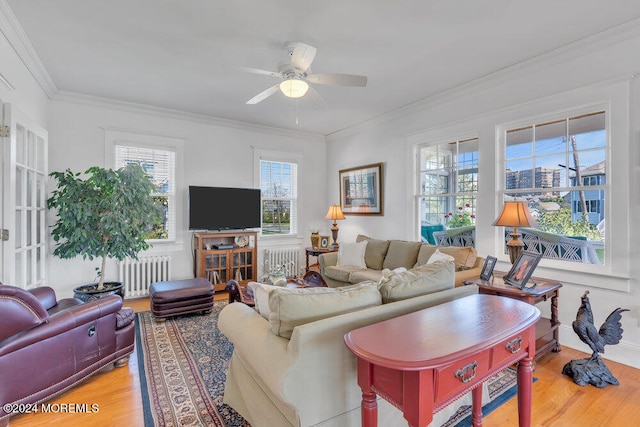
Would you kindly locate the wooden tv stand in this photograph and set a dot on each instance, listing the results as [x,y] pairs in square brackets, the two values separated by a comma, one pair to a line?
[219,258]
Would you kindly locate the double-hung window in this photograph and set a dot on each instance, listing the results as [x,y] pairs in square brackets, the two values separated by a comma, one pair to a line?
[159,165]
[559,167]
[447,188]
[279,192]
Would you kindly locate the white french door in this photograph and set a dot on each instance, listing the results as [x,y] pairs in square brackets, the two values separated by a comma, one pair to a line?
[24,175]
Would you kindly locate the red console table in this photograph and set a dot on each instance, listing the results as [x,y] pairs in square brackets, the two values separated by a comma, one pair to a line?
[422,361]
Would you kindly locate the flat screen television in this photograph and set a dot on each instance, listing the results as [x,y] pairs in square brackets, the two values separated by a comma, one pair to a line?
[220,208]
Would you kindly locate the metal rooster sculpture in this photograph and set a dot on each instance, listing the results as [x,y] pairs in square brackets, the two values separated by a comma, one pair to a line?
[593,370]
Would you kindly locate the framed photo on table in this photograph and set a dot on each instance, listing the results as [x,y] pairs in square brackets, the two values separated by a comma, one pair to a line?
[522,270]
[361,190]
[487,268]
[324,242]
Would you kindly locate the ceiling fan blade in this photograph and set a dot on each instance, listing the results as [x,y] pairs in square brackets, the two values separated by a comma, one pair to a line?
[316,98]
[302,56]
[337,79]
[259,71]
[264,94]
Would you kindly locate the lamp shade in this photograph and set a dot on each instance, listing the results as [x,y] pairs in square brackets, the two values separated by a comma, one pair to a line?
[334,213]
[294,88]
[515,214]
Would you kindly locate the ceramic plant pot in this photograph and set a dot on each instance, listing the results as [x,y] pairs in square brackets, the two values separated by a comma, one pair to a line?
[90,292]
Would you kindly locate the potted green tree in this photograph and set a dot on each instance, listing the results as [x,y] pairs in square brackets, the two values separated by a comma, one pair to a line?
[107,214]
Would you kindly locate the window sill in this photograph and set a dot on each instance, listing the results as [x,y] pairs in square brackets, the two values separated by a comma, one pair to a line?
[596,276]
[281,239]
[163,247]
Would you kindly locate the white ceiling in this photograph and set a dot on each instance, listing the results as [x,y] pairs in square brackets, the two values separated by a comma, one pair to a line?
[181,54]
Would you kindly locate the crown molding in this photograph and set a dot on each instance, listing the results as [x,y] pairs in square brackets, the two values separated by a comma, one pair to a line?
[133,107]
[12,30]
[579,48]
[417,135]
[4,82]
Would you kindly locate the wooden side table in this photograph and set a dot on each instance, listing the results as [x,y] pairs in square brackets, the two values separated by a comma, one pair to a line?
[423,361]
[240,293]
[545,289]
[317,252]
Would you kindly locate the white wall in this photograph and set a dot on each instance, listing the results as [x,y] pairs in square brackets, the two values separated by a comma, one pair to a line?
[216,153]
[600,70]
[20,90]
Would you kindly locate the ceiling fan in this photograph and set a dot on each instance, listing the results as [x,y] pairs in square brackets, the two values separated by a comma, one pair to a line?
[296,74]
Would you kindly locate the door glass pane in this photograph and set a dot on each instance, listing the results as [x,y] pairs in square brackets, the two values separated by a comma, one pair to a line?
[28,225]
[39,265]
[30,184]
[20,145]
[31,150]
[39,215]
[19,180]
[40,155]
[18,230]
[29,266]
[40,191]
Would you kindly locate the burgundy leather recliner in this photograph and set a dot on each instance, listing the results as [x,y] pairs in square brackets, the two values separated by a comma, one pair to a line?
[48,346]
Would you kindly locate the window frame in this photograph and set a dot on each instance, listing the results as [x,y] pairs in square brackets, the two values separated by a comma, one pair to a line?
[612,96]
[611,266]
[118,137]
[170,194]
[452,181]
[261,155]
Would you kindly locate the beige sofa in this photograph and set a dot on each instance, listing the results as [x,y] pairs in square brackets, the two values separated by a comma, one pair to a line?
[287,371]
[391,254]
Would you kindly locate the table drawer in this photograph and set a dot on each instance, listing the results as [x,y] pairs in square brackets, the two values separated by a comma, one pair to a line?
[511,348]
[457,377]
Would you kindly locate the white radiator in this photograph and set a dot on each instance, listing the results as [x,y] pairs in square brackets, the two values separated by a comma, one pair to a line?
[138,276]
[288,257]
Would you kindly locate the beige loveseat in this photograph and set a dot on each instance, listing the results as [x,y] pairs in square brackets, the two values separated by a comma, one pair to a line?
[383,255]
[294,368]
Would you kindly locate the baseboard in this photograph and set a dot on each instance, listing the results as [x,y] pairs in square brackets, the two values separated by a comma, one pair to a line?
[625,352]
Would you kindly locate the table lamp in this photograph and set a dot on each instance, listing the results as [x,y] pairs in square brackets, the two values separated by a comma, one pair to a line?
[334,213]
[515,214]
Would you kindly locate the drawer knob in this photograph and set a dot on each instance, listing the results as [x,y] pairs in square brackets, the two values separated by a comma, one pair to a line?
[467,373]
[515,345]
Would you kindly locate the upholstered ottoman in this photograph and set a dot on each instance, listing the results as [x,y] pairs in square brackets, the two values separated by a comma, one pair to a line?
[180,297]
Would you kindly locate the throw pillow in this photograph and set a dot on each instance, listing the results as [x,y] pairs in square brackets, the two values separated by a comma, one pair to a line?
[421,280]
[386,272]
[375,252]
[294,307]
[401,254]
[352,254]
[439,256]
[261,293]
[465,257]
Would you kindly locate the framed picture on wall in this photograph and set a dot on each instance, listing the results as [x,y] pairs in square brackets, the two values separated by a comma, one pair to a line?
[361,190]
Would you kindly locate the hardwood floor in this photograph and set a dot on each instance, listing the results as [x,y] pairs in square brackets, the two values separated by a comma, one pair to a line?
[557,401]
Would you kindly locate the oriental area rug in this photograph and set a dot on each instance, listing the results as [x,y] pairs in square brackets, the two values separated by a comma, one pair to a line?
[183,363]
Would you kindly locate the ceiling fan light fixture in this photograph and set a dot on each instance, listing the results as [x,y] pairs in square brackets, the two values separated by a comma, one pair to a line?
[294,88]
